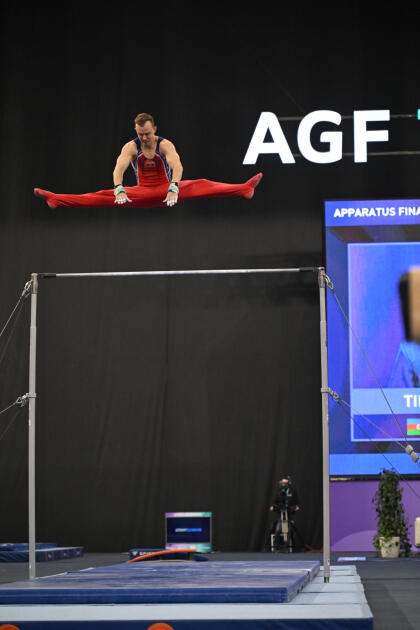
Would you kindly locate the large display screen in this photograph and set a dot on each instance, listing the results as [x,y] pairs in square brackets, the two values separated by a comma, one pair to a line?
[369,245]
[188,530]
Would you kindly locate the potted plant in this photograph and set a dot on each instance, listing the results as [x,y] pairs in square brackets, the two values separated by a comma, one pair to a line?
[392,529]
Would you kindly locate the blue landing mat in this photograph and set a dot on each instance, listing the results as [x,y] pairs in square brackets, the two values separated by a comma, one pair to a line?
[337,605]
[167,582]
[25,546]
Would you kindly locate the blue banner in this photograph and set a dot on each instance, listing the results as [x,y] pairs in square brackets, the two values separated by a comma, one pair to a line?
[372,212]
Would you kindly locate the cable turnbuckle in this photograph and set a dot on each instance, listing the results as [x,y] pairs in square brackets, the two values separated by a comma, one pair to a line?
[23,400]
[410,451]
[27,289]
[327,390]
[329,282]
[323,278]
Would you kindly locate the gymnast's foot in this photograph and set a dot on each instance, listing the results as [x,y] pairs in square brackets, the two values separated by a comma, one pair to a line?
[253,182]
[45,194]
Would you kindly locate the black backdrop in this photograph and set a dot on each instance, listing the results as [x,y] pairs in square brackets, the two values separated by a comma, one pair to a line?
[192,393]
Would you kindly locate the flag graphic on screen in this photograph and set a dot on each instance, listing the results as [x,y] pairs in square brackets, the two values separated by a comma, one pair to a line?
[413,426]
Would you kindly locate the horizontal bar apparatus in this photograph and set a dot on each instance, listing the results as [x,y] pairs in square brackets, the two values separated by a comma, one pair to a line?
[188,272]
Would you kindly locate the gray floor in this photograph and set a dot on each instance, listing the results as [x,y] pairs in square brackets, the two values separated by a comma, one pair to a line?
[392,587]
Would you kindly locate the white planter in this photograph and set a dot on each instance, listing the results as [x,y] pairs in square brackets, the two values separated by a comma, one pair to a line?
[390,548]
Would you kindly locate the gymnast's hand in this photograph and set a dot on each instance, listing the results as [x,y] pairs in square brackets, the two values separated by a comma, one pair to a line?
[121,198]
[172,196]
[120,195]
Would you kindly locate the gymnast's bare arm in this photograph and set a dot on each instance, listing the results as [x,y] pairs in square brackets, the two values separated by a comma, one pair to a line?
[171,156]
[128,153]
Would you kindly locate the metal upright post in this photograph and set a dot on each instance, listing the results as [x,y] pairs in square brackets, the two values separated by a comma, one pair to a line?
[31,439]
[325,424]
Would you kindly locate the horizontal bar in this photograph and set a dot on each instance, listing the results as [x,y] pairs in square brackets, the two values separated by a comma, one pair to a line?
[177,272]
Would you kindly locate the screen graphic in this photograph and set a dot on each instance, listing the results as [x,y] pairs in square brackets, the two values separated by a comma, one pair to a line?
[188,530]
[376,372]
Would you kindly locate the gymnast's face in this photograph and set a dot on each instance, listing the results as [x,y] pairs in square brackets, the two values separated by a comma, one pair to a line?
[146,134]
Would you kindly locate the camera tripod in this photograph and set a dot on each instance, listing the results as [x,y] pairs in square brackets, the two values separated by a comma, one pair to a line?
[282,530]
[284,535]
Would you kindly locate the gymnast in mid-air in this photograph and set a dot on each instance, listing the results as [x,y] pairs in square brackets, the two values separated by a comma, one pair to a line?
[158,170]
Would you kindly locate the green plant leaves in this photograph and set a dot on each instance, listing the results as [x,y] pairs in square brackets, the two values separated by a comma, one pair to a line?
[391,517]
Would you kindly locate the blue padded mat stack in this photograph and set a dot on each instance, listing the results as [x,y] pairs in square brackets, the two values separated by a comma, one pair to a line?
[19,552]
[25,546]
[167,582]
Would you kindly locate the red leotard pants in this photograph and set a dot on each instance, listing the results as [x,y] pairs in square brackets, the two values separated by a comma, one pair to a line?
[149,197]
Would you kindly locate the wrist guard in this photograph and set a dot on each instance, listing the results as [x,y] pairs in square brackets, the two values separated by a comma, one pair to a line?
[173,187]
[119,189]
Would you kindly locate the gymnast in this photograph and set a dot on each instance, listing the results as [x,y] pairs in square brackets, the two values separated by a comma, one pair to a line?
[158,170]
